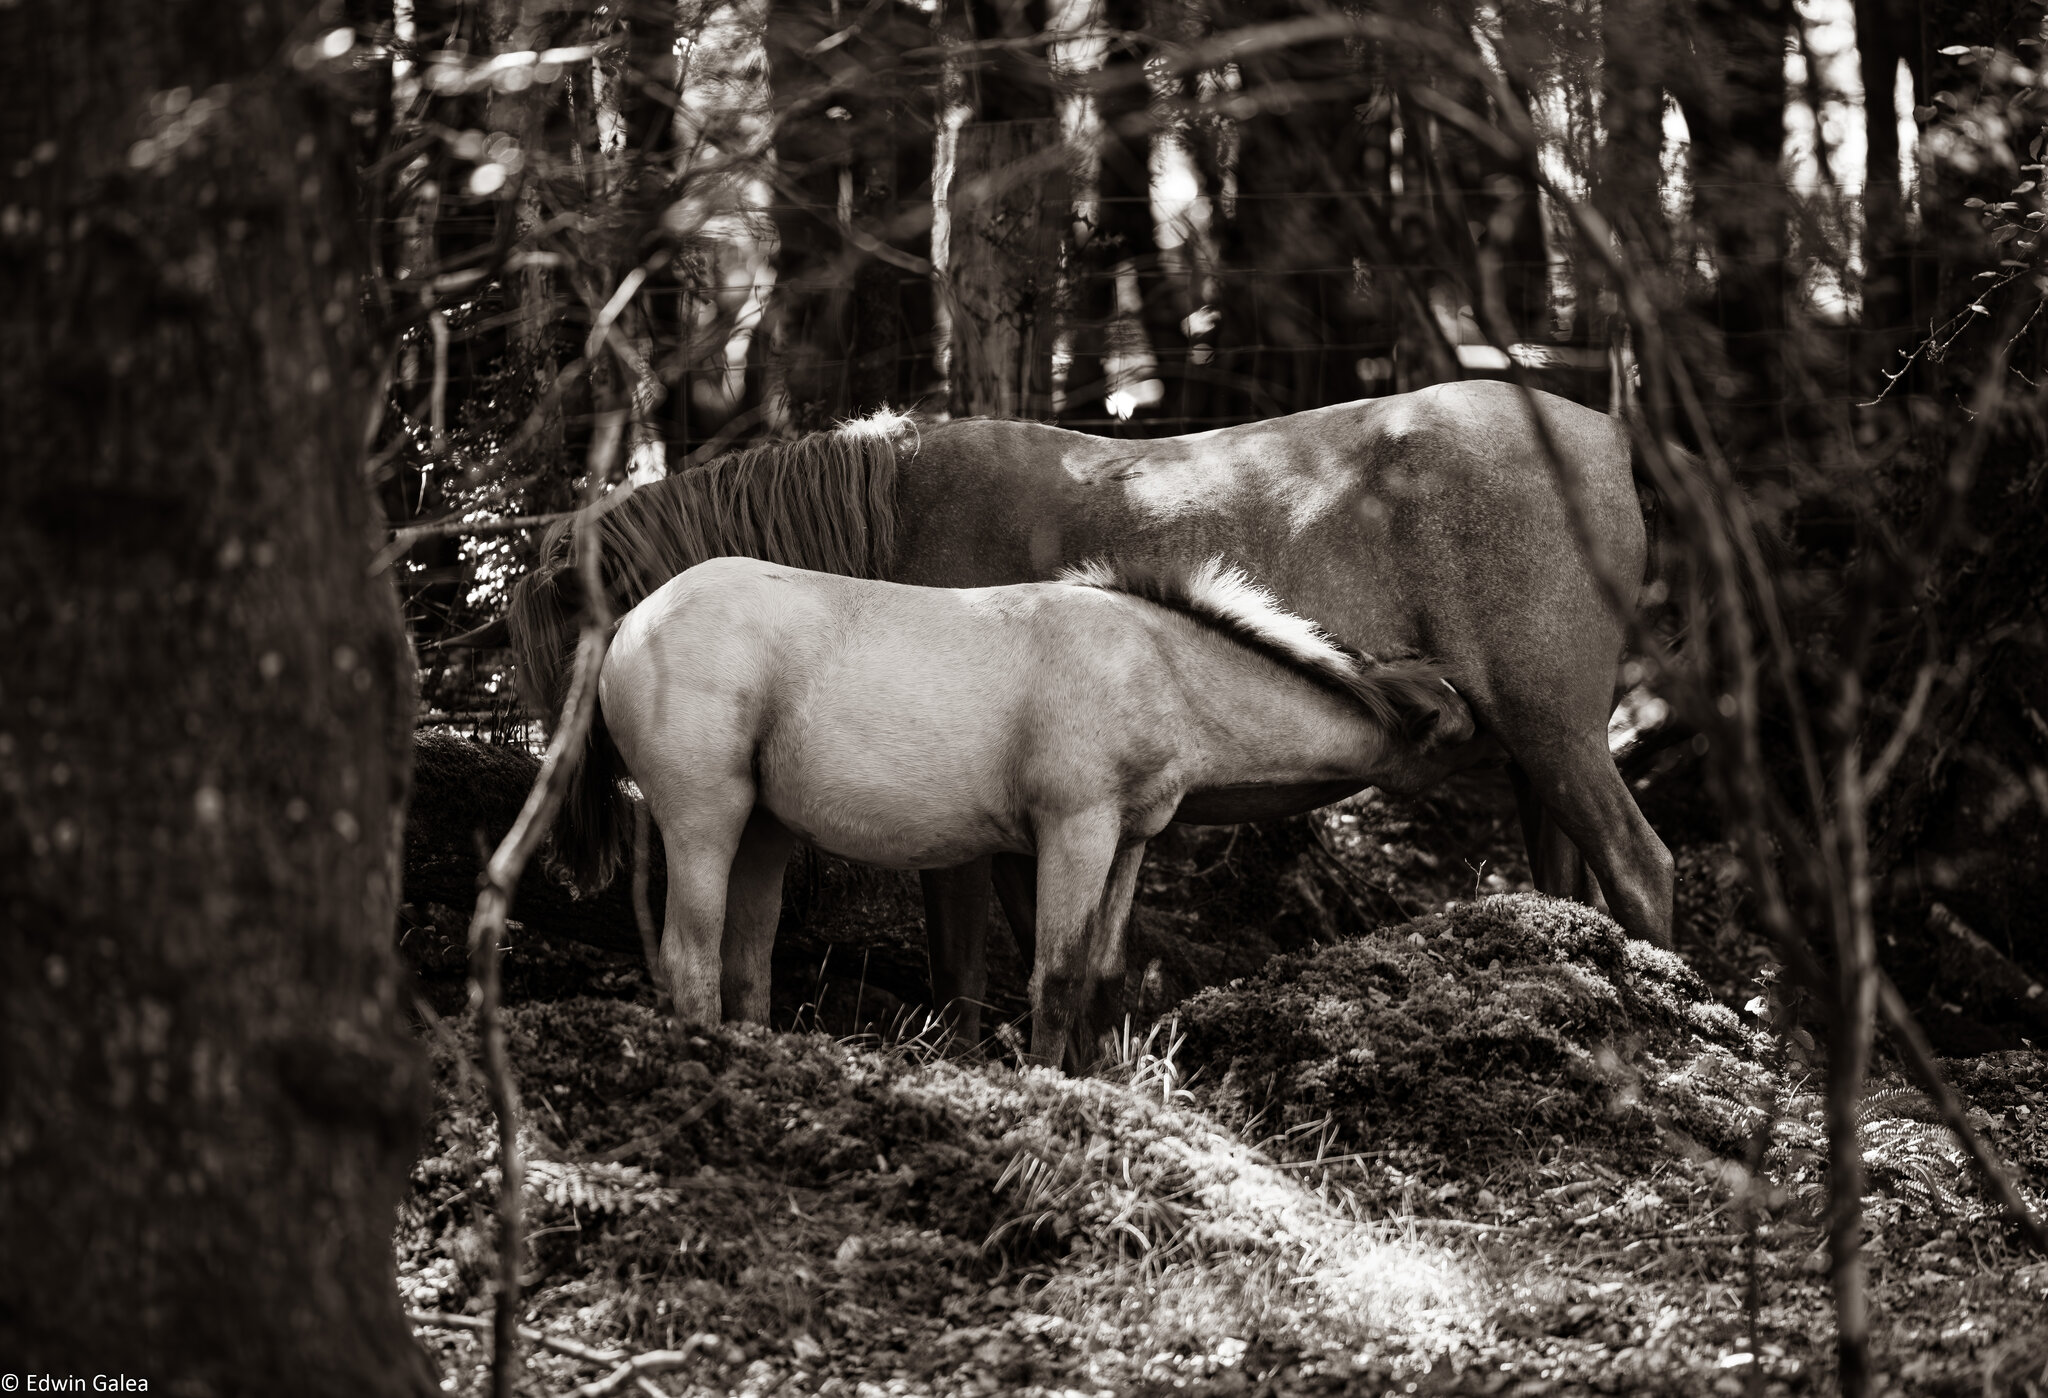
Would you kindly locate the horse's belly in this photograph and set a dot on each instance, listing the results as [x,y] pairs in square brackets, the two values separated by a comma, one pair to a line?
[1233,805]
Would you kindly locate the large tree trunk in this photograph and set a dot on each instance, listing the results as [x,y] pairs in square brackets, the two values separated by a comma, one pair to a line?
[207,1099]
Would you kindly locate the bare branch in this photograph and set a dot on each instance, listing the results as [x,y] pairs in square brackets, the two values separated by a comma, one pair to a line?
[1909,723]
[560,1344]
[659,1361]
[501,879]
[437,323]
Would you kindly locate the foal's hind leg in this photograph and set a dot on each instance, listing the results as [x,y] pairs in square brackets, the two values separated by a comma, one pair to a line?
[701,832]
[753,905]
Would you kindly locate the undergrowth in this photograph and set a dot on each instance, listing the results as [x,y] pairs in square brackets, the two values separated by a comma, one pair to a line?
[1479,1031]
[1429,1156]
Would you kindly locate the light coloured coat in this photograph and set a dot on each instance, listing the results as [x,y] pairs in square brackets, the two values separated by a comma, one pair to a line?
[916,728]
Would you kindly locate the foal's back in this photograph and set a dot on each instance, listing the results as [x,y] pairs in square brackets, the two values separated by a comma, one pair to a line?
[889,724]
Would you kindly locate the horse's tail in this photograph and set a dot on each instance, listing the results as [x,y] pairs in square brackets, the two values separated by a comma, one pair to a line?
[590,831]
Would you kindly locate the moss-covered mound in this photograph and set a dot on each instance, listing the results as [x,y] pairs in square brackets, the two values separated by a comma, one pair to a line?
[830,1207]
[1479,1031]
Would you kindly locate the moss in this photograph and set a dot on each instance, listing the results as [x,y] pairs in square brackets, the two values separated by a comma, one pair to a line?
[1473,1032]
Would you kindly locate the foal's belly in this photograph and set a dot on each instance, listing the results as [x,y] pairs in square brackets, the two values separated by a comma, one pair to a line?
[893,825]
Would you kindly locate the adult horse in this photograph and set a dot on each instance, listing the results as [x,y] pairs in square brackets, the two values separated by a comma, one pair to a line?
[1428,523]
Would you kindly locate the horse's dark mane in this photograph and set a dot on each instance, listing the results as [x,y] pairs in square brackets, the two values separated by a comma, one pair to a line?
[1406,697]
[826,501]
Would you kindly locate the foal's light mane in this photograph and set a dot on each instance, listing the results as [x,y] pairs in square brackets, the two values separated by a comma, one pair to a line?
[1404,696]
[826,502]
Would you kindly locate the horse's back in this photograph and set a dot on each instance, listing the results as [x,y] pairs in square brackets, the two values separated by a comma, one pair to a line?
[1374,517]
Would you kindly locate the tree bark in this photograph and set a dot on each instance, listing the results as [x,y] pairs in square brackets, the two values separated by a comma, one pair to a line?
[207,1098]
[1734,104]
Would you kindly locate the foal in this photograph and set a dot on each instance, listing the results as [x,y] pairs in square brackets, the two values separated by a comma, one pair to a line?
[756,705]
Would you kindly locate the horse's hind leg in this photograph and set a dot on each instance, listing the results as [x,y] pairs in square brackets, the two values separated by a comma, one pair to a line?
[1580,788]
[753,905]
[1016,879]
[956,941]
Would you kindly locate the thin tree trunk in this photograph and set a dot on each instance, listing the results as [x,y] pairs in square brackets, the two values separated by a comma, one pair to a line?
[626,364]
[1855,1022]
[1735,107]
[1076,50]
[877,318]
[209,1100]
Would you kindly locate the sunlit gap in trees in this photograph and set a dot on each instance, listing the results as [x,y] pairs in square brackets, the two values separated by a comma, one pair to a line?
[1826,155]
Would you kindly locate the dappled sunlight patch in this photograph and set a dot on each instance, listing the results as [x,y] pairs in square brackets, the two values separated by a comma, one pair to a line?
[1178,1236]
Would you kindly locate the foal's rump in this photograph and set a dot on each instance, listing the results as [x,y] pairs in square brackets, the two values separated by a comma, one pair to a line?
[867,717]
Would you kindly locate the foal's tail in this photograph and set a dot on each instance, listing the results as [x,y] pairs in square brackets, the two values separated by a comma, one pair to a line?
[589,836]
[590,832]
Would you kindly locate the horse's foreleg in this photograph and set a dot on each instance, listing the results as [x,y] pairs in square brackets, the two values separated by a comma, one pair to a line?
[1075,859]
[1555,864]
[753,905]
[1106,970]
[956,941]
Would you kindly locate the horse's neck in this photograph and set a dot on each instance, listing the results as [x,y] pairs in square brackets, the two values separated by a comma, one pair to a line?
[1262,722]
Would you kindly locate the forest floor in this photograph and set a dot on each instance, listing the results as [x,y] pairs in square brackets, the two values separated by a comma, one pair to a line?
[1487,1147]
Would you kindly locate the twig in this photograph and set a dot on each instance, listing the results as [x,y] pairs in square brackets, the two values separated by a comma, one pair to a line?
[1420,1222]
[494,901]
[643,917]
[648,1142]
[1920,1057]
[660,1361]
[575,1349]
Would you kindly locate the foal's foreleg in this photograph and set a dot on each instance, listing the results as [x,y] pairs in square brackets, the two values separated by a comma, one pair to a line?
[1106,961]
[956,942]
[1075,858]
